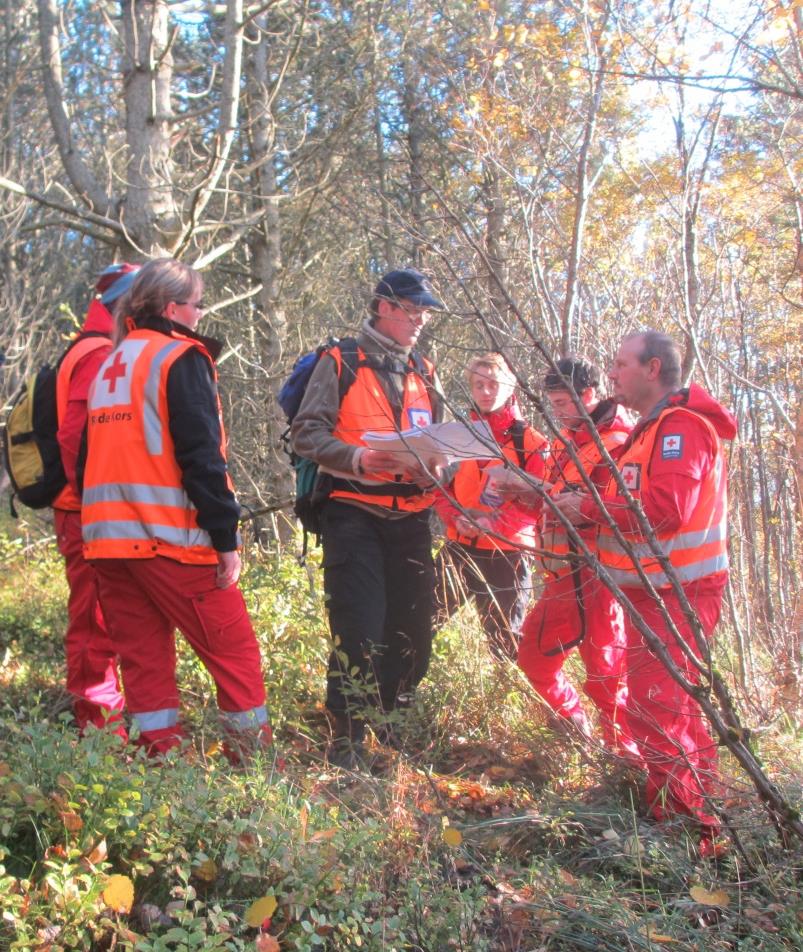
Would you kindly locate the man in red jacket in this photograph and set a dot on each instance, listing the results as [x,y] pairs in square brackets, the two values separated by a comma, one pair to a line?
[674,464]
[575,609]
[91,659]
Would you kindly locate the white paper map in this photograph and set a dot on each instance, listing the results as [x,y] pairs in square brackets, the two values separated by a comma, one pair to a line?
[440,443]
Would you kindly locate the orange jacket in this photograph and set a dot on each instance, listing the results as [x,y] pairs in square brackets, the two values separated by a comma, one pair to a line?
[700,549]
[68,498]
[134,503]
[366,407]
[563,474]
[468,489]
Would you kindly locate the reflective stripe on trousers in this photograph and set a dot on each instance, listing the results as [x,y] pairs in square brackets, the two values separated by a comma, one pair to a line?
[156,720]
[168,717]
[245,720]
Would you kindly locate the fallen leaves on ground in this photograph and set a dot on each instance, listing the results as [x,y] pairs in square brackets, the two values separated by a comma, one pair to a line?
[706,898]
[266,943]
[119,893]
[260,910]
[206,871]
[452,837]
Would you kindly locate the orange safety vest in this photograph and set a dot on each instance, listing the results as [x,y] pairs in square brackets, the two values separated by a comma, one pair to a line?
[554,538]
[366,407]
[700,549]
[468,488]
[67,498]
[134,504]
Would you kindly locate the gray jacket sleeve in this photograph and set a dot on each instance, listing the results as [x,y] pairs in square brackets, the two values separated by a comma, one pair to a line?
[311,431]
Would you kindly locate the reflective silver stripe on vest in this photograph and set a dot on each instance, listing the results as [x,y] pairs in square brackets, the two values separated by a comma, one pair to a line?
[131,529]
[138,492]
[151,419]
[677,543]
[686,573]
[243,720]
[550,540]
[156,720]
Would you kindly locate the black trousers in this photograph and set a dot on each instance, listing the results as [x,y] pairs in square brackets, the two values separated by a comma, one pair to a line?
[379,582]
[500,584]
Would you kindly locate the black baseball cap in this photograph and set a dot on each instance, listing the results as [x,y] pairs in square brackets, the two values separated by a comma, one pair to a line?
[410,285]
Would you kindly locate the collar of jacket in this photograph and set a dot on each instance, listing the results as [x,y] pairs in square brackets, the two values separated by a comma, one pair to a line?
[372,342]
[165,326]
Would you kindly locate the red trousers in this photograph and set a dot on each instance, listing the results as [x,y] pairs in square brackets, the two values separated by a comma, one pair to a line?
[571,608]
[667,723]
[90,654]
[145,600]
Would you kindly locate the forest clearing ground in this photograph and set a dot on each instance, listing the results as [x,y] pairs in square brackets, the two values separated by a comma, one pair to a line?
[489,832]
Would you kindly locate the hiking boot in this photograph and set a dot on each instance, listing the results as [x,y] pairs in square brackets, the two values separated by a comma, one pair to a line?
[388,736]
[346,748]
[346,754]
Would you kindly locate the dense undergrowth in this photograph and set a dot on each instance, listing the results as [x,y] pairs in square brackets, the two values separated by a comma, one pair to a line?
[489,833]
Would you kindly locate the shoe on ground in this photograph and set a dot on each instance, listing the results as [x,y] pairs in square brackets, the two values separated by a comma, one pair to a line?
[388,736]
[346,754]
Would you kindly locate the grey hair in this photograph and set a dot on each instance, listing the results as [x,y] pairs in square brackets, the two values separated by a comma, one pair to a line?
[665,349]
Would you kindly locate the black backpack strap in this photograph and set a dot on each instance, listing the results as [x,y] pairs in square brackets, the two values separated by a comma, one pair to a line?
[516,432]
[350,363]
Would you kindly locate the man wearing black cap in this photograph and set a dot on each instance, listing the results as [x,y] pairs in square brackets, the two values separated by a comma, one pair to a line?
[378,569]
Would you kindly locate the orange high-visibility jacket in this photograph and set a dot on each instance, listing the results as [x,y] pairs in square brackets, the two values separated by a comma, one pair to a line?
[67,498]
[366,407]
[469,485]
[554,537]
[134,504]
[700,549]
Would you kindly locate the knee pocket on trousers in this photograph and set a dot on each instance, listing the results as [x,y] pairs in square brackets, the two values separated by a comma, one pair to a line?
[218,612]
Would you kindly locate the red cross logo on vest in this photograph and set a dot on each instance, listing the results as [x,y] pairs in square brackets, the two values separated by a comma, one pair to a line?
[631,474]
[114,371]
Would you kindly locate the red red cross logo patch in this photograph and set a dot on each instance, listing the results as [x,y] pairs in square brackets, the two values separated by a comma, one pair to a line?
[631,474]
[672,446]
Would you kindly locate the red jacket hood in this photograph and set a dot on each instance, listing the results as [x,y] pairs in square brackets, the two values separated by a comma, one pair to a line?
[699,400]
[608,416]
[98,318]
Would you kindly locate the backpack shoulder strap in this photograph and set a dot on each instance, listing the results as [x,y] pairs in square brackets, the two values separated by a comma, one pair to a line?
[516,432]
[350,363]
[422,368]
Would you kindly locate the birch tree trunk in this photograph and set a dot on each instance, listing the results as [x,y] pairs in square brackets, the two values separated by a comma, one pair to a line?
[151,215]
[274,473]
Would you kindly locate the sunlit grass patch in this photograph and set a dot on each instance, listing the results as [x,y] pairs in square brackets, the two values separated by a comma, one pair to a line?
[489,832]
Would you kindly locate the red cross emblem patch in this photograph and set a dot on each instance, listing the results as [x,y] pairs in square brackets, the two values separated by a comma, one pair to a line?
[672,446]
[631,474]
[419,418]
